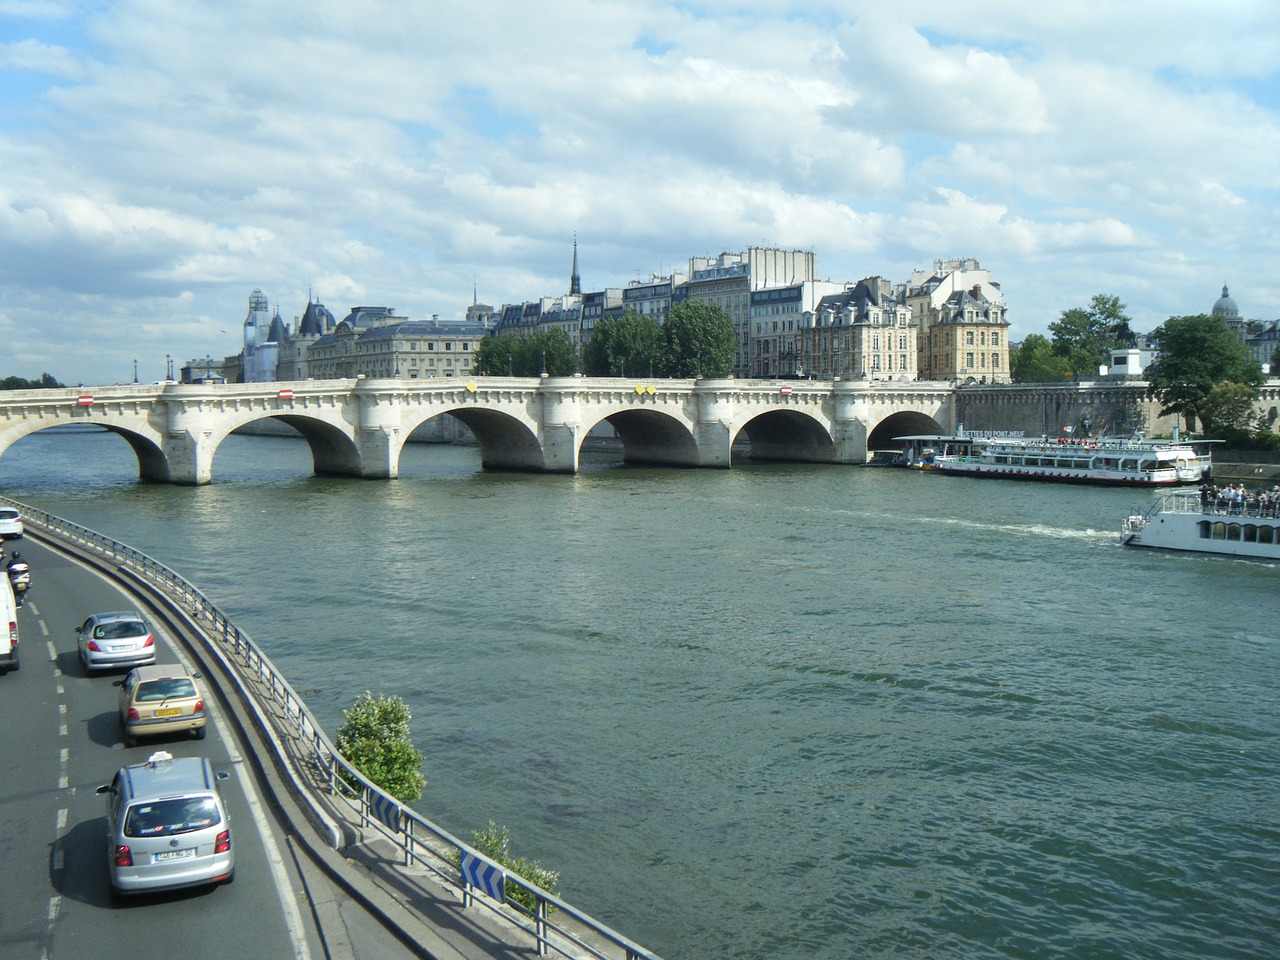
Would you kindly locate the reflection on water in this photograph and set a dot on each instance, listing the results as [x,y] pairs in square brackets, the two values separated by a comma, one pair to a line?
[774,711]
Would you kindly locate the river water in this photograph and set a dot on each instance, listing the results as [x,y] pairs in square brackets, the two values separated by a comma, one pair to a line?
[774,711]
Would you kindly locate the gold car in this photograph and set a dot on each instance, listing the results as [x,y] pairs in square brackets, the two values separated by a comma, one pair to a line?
[161,698]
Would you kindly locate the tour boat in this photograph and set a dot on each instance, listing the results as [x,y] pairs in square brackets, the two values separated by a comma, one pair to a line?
[1180,521]
[1135,462]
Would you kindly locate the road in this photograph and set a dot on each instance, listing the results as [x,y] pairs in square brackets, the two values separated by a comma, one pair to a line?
[61,739]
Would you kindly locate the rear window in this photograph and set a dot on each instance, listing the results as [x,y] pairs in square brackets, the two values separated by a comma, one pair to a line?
[119,630]
[8,514]
[164,818]
[164,689]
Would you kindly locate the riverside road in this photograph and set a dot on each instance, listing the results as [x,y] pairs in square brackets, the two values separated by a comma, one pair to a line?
[62,739]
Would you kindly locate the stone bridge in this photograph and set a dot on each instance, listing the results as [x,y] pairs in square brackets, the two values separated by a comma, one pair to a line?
[358,427]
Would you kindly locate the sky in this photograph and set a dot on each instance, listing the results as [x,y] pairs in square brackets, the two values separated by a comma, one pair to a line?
[159,160]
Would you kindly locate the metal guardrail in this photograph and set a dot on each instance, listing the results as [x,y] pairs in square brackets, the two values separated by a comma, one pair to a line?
[420,841]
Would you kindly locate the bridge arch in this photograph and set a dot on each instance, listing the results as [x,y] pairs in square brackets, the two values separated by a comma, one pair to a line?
[145,441]
[904,423]
[506,442]
[650,437]
[333,451]
[788,435]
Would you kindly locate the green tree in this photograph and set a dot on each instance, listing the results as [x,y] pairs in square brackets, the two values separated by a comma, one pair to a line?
[551,352]
[699,339]
[45,382]
[1227,411]
[618,345]
[1035,361]
[1196,354]
[525,356]
[1085,336]
[375,740]
[495,356]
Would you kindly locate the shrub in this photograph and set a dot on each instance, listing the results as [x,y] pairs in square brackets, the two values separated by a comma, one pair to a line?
[375,740]
[495,843]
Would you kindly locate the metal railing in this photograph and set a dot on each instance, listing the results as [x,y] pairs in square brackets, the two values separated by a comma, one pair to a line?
[419,841]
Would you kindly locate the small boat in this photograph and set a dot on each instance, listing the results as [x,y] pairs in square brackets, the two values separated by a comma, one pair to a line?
[1136,462]
[1186,521]
[923,451]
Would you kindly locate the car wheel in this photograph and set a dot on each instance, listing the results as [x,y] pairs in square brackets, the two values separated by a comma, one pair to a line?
[130,740]
[200,732]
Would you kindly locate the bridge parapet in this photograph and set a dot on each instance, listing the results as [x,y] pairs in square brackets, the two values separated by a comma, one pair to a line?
[359,427]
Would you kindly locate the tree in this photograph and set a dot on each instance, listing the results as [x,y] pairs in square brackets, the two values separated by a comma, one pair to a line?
[1034,361]
[1196,354]
[375,740]
[618,345]
[699,340]
[1227,413]
[1086,336]
[45,382]
[549,351]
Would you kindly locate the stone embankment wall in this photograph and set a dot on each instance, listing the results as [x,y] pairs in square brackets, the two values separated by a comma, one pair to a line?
[1120,407]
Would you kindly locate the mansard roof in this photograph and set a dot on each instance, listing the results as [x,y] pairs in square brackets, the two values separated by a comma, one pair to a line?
[425,329]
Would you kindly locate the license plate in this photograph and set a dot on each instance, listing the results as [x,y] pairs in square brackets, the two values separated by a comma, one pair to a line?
[123,647]
[171,712]
[167,855]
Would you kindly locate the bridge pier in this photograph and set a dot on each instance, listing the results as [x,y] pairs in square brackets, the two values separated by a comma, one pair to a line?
[190,456]
[715,399]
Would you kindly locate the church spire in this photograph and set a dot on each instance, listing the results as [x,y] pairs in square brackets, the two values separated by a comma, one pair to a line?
[575,283]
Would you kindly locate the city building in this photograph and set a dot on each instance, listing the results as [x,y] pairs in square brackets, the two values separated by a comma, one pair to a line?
[863,332]
[263,334]
[373,342]
[729,279]
[778,318]
[959,314]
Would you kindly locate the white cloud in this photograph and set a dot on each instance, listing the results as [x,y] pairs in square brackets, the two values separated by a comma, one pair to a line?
[162,160]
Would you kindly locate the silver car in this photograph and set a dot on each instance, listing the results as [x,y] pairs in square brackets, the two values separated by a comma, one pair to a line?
[115,640]
[167,826]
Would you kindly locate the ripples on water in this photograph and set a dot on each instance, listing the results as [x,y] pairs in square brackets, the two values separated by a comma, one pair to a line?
[777,711]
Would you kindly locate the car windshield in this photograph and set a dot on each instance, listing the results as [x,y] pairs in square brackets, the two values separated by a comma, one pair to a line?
[164,818]
[119,630]
[164,689]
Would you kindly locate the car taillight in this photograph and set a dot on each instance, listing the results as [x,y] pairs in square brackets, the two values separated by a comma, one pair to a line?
[94,647]
[150,641]
[124,856]
[199,707]
[223,843]
[133,714]
[13,633]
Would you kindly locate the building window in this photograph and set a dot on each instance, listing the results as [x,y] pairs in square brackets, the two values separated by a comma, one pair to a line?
[995,361]
[968,338]
[995,339]
[968,361]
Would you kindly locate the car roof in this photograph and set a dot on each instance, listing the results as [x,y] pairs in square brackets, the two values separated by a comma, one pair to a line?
[120,615]
[163,775]
[162,671]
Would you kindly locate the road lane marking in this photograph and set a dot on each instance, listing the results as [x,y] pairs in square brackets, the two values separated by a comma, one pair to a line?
[53,651]
[279,876]
[44,627]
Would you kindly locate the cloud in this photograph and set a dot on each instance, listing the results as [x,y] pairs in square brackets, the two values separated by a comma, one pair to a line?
[163,160]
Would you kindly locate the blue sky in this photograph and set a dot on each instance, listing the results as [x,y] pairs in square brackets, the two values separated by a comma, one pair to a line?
[159,160]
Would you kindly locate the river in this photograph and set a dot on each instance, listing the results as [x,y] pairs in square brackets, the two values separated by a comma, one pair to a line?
[773,711]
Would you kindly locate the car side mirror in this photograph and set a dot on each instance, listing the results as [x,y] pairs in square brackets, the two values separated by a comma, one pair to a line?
[198,675]
[105,788]
[222,775]
[117,683]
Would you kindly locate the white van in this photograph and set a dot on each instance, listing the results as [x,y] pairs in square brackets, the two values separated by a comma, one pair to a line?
[8,628]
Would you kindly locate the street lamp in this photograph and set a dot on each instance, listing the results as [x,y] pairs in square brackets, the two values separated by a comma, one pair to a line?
[135,371]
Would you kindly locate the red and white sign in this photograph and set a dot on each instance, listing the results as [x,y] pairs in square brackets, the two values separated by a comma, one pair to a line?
[85,400]
[785,391]
[285,395]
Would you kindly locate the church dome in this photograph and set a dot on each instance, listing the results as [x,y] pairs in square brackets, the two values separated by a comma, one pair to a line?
[1226,307]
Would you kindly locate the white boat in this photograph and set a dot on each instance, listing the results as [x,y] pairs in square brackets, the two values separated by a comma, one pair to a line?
[1180,521]
[1135,462]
